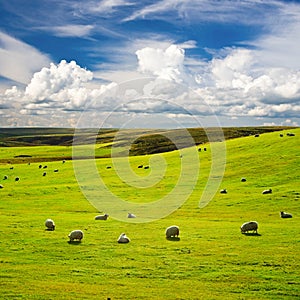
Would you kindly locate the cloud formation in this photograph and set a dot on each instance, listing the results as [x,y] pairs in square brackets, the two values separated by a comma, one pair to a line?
[233,86]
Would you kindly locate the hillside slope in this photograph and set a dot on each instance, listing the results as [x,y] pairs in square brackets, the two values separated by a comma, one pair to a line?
[211,259]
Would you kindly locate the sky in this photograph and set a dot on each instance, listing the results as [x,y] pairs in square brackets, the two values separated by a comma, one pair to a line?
[149,64]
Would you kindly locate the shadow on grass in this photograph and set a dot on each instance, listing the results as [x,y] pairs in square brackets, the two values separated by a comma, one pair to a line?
[251,234]
[49,229]
[173,239]
[74,242]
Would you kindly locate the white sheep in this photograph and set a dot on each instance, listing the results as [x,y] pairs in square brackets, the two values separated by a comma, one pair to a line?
[285,215]
[49,223]
[269,191]
[224,191]
[249,226]
[75,235]
[130,216]
[172,231]
[1,186]
[102,217]
[123,239]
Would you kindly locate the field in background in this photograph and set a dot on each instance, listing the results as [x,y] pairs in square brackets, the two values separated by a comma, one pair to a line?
[212,260]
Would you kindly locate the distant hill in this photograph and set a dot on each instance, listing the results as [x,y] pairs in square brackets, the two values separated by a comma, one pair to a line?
[141,141]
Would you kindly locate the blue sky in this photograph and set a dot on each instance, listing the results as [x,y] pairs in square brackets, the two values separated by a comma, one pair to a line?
[169,63]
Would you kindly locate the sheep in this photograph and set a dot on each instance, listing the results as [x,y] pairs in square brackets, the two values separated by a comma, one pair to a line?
[131,216]
[1,186]
[224,191]
[75,235]
[5,177]
[285,215]
[281,135]
[140,166]
[40,166]
[243,179]
[45,167]
[55,170]
[49,223]
[102,217]
[17,179]
[249,226]
[269,191]
[146,167]
[172,231]
[290,134]
[257,135]
[123,239]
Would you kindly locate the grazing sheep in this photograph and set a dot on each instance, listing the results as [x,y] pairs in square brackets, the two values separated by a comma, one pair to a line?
[249,226]
[1,186]
[204,149]
[17,179]
[199,150]
[75,235]
[281,135]
[123,239]
[56,170]
[243,179]
[11,168]
[269,191]
[63,161]
[146,167]
[45,167]
[131,216]
[172,231]
[224,191]
[40,166]
[290,134]
[49,223]
[285,215]
[140,166]
[5,177]
[257,135]
[101,217]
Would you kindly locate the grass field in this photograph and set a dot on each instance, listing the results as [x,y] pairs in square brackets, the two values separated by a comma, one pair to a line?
[212,259]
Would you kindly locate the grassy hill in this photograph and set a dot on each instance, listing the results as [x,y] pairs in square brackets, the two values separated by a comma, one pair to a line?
[212,259]
[139,141]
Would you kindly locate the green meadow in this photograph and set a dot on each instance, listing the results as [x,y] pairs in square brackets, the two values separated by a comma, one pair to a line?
[211,260]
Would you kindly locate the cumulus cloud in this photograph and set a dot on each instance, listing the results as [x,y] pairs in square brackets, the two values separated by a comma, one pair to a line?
[233,86]
[50,82]
[166,64]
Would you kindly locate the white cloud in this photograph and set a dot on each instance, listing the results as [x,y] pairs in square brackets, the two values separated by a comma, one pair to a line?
[19,60]
[51,81]
[209,11]
[71,30]
[166,64]
[233,86]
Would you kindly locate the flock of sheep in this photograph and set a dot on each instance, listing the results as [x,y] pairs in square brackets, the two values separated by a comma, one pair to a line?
[77,235]
[170,232]
[253,225]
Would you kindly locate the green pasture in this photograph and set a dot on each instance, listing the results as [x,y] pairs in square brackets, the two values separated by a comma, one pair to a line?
[212,259]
